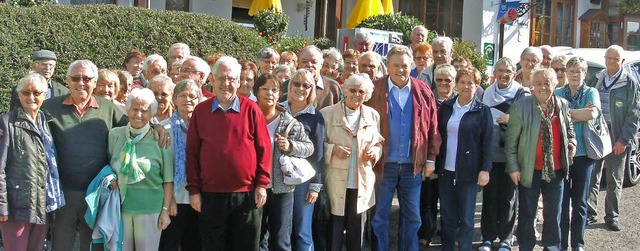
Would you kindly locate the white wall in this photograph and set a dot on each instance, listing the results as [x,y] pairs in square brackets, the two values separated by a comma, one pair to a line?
[472,22]
[158,4]
[583,6]
[296,18]
[220,8]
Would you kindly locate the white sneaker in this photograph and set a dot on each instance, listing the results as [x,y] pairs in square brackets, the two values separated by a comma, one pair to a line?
[485,246]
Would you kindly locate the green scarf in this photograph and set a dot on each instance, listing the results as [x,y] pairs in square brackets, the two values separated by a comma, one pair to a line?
[129,172]
[547,140]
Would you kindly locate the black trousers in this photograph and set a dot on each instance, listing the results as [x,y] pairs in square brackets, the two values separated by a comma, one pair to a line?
[499,206]
[352,221]
[428,209]
[183,231]
[229,221]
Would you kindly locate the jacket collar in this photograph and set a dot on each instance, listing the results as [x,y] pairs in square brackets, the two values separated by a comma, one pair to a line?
[622,80]
[476,105]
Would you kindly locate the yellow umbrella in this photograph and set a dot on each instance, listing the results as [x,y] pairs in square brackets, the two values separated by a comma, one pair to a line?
[387,5]
[364,9]
[258,5]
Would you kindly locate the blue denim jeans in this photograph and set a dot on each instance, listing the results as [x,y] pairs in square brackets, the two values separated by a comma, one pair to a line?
[301,235]
[457,208]
[552,199]
[398,177]
[276,222]
[576,192]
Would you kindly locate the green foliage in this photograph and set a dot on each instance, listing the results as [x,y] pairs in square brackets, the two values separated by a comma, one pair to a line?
[397,22]
[104,34]
[271,25]
[29,3]
[294,43]
[630,6]
[469,50]
[324,43]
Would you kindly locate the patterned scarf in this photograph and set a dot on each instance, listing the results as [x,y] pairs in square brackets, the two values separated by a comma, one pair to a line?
[129,171]
[54,194]
[179,131]
[575,101]
[547,139]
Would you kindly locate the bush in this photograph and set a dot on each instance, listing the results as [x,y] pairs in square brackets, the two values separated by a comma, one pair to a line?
[397,22]
[324,43]
[467,49]
[29,3]
[105,33]
[271,25]
[294,43]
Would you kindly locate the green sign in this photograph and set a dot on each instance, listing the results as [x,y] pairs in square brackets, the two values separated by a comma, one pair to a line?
[489,52]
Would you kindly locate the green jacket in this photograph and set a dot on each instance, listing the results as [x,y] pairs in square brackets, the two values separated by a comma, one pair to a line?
[23,168]
[623,108]
[523,132]
[58,90]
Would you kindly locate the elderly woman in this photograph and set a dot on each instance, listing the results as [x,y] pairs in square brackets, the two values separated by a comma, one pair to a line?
[529,60]
[464,162]
[350,58]
[278,211]
[584,105]
[289,58]
[353,145]
[145,174]
[445,76]
[173,70]
[268,59]
[133,63]
[499,195]
[332,64]
[422,58]
[300,103]
[283,73]
[183,230]
[461,62]
[126,83]
[162,88]
[108,86]
[248,74]
[539,147]
[559,65]
[29,181]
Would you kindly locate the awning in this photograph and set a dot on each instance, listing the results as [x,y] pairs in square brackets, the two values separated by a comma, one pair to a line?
[387,5]
[259,5]
[364,9]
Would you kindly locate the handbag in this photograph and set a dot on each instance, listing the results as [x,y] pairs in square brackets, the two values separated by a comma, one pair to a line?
[597,142]
[296,170]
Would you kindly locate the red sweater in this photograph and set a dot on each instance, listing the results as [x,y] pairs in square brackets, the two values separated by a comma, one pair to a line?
[228,152]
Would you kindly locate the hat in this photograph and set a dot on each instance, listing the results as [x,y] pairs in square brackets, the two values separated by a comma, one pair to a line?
[43,54]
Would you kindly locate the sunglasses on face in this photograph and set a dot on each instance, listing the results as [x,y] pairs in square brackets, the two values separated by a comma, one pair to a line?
[304,85]
[354,91]
[84,79]
[28,93]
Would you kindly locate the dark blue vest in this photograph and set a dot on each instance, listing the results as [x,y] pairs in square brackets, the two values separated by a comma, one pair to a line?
[400,130]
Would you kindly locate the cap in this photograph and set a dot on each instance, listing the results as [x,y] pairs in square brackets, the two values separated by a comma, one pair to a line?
[43,54]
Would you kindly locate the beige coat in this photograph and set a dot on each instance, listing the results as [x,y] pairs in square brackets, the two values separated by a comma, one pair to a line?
[337,132]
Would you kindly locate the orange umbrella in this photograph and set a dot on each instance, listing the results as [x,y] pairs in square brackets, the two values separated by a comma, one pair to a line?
[258,5]
[387,5]
[364,9]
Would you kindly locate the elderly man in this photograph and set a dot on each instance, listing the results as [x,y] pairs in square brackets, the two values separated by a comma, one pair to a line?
[178,52]
[198,70]
[228,164]
[547,55]
[619,96]
[442,48]
[362,42]
[80,124]
[327,90]
[419,34]
[370,63]
[409,125]
[154,65]
[44,63]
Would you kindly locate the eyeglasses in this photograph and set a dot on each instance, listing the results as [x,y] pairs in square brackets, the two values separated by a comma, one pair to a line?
[84,79]
[422,58]
[503,71]
[267,90]
[161,94]
[188,70]
[187,96]
[28,93]
[354,91]
[302,85]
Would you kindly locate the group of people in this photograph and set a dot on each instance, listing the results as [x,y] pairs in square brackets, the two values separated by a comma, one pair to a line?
[196,154]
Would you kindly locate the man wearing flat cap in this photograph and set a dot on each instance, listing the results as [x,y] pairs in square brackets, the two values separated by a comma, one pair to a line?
[44,63]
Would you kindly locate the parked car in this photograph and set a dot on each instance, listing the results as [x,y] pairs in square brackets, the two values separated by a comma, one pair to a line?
[595,61]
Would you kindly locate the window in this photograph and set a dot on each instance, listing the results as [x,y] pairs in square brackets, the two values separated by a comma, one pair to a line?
[77,2]
[597,38]
[632,33]
[180,5]
[441,16]
[553,23]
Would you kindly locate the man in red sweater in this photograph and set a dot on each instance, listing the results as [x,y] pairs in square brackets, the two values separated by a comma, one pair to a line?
[228,164]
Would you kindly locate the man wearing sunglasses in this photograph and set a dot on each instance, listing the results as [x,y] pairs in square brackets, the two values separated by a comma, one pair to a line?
[328,91]
[44,63]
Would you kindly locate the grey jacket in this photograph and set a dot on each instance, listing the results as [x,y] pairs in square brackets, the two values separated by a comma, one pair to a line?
[623,107]
[523,132]
[426,76]
[23,168]
[301,147]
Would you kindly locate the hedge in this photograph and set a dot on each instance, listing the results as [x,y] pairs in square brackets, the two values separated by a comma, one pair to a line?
[104,34]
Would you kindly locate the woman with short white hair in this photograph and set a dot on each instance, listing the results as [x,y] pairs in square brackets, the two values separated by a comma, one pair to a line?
[145,174]
[353,146]
[530,60]
[333,63]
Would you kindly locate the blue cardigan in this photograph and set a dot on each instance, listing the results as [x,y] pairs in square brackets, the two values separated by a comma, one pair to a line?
[475,140]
